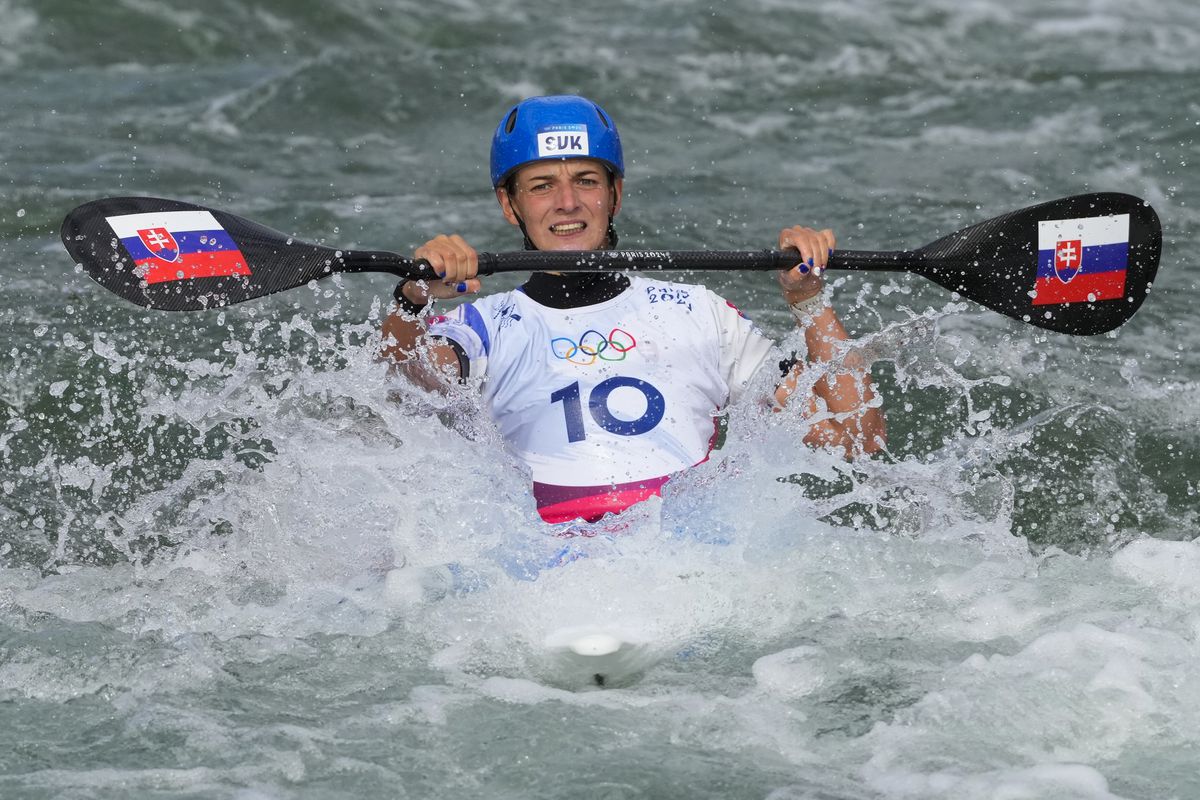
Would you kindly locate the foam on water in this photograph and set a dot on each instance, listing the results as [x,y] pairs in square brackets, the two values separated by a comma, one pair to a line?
[792,629]
[875,626]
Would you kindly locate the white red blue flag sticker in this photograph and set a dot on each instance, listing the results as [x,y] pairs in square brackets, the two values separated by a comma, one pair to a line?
[178,245]
[1082,260]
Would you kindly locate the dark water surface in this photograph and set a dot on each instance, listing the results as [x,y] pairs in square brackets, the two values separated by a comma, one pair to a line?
[210,524]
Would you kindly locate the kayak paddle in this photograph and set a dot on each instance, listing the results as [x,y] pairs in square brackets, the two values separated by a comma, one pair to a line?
[1080,265]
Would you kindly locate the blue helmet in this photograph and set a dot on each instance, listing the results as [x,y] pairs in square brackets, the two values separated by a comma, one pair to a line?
[556,127]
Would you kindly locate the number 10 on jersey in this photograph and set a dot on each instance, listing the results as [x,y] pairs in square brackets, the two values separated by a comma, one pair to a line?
[602,415]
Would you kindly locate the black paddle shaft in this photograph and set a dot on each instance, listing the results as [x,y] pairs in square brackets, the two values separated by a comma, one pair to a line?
[998,263]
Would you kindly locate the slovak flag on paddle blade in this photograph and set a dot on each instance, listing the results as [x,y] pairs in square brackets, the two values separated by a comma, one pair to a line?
[1082,260]
[178,245]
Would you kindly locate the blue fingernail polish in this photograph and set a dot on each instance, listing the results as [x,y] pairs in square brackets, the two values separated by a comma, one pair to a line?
[810,262]
[462,287]
[803,269]
[441,273]
[831,251]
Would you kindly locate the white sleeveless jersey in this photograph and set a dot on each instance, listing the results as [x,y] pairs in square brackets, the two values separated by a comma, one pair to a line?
[606,402]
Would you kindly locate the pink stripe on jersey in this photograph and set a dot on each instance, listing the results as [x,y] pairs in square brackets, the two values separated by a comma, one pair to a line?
[590,503]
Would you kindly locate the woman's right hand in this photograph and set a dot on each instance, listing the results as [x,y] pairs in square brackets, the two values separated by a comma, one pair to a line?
[456,264]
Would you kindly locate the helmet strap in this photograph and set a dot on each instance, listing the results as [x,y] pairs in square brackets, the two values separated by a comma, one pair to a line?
[529,245]
[611,240]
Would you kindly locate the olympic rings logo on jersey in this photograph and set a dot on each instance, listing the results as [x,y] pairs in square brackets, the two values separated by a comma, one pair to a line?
[594,346]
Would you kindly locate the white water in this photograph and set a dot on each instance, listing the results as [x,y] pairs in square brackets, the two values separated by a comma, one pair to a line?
[917,649]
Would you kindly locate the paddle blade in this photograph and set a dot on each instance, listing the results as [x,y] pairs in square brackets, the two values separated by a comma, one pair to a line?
[175,256]
[1080,265]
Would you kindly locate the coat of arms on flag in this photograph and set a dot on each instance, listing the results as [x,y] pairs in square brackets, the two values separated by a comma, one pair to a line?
[1067,257]
[160,243]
